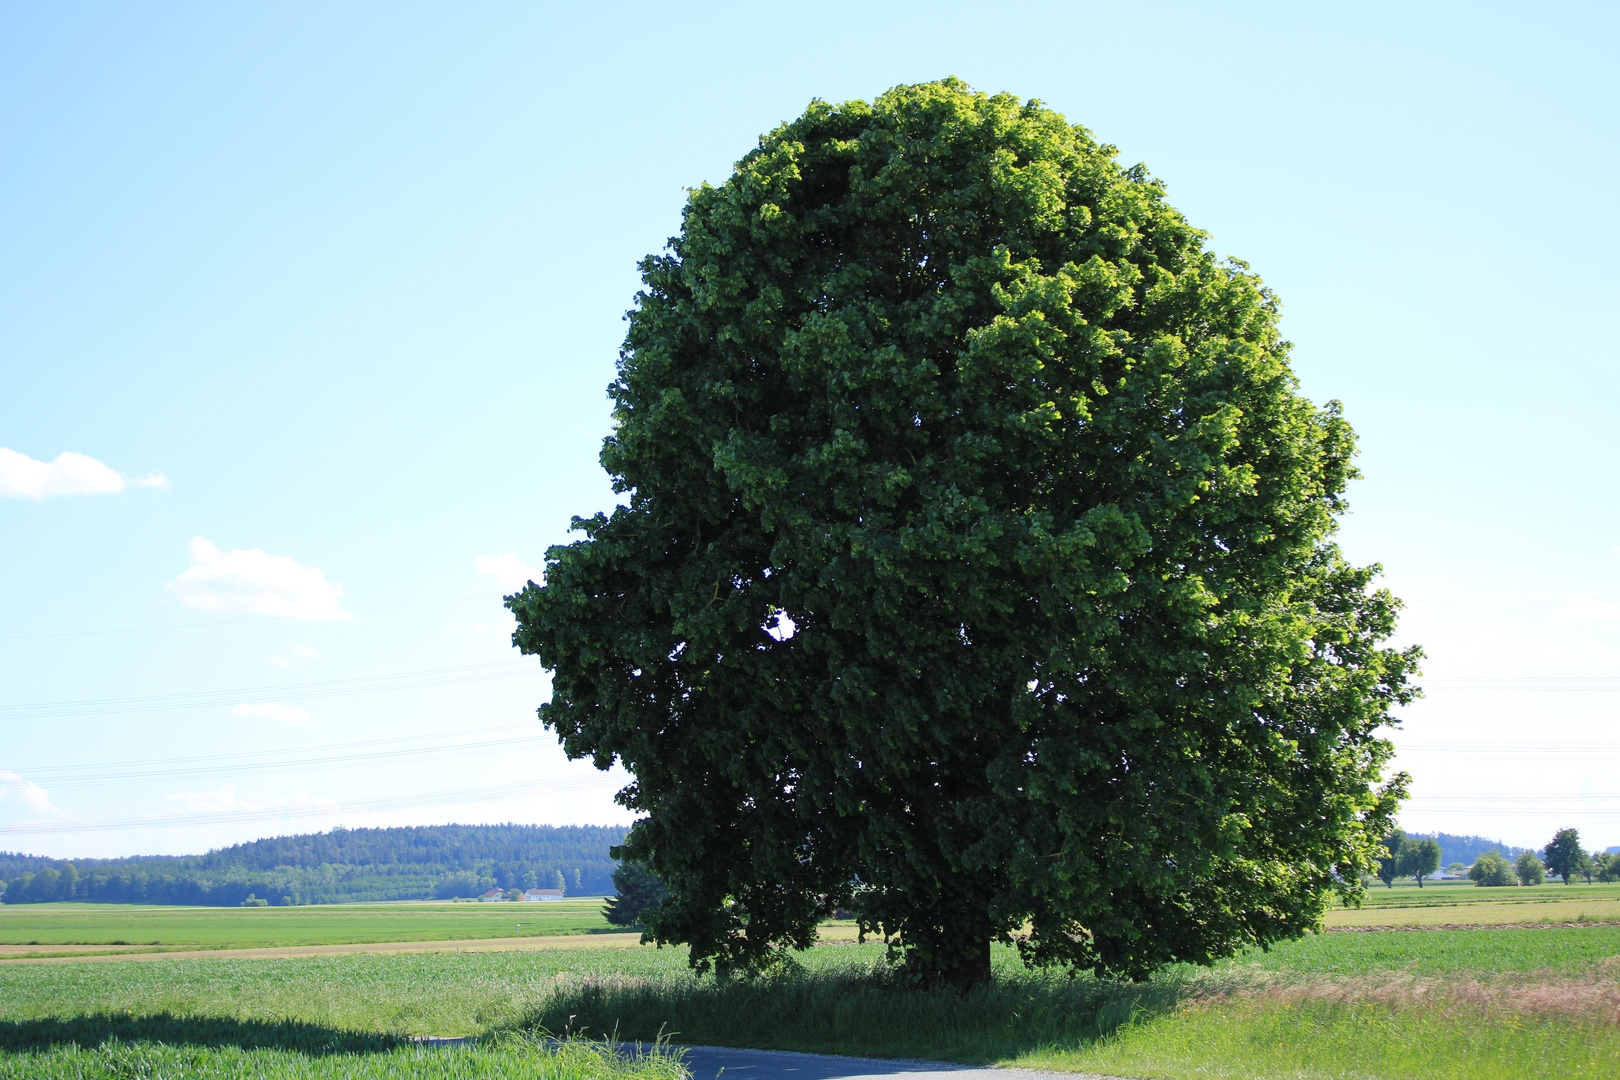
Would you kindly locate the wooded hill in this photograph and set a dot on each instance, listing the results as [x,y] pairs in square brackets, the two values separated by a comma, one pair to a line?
[1465,849]
[340,866]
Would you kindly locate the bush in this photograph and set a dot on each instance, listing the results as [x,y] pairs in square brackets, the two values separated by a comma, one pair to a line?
[1491,869]
[1530,870]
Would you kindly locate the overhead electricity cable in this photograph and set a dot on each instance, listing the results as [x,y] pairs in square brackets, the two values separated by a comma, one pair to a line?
[254,755]
[1519,796]
[306,810]
[1521,683]
[232,622]
[339,761]
[369,684]
[1509,748]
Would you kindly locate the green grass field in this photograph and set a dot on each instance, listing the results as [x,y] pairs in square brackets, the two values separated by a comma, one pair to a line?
[1464,902]
[1475,1004]
[329,924]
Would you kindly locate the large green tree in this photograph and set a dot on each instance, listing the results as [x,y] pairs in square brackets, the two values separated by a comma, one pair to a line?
[974,568]
[1491,869]
[1564,855]
[1418,857]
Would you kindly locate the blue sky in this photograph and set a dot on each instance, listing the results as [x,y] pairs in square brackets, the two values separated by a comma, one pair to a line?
[327,296]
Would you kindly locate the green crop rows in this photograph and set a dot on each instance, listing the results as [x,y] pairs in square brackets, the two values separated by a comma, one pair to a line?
[326,924]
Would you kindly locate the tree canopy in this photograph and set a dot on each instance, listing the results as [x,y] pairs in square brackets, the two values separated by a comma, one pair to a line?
[1491,870]
[1564,855]
[973,570]
[639,890]
[1418,857]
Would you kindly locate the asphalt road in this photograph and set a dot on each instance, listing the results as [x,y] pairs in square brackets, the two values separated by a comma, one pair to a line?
[710,1062]
[724,1063]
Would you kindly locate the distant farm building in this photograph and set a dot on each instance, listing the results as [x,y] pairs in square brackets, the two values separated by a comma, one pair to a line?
[542,894]
[492,897]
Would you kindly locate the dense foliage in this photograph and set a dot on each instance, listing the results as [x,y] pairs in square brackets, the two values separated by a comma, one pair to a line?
[340,866]
[1564,855]
[1492,869]
[974,569]
[1529,869]
[639,891]
[1455,847]
[1418,858]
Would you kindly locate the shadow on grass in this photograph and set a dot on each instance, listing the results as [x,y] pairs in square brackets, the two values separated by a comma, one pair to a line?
[860,1011]
[94,1029]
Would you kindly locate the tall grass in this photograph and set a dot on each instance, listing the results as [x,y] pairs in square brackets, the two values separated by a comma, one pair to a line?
[1236,1022]
[1309,1037]
[501,1058]
[855,1008]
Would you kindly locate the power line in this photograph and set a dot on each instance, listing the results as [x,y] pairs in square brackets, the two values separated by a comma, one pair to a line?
[1474,750]
[230,622]
[241,755]
[339,761]
[308,810]
[367,684]
[1522,683]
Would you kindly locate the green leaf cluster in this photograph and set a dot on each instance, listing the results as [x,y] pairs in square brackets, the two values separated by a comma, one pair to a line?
[974,568]
[1491,869]
[1564,856]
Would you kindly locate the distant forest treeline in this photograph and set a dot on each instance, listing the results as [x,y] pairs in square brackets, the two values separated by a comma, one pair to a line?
[341,866]
[1465,849]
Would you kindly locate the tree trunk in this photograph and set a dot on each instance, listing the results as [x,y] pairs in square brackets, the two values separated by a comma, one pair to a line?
[972,969]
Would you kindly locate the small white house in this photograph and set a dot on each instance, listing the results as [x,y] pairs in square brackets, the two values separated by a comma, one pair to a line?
[492,897]
[531,895]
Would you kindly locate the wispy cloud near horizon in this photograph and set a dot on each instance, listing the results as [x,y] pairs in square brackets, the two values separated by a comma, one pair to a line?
[21,477]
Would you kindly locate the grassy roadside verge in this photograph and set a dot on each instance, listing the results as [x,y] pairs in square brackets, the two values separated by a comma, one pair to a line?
[1362,1008]
[507,1058]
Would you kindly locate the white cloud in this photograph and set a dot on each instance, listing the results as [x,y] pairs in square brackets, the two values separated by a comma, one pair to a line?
[272,710]
[506,569]
[250,580]
[24,798]
[295,654]
[21,477]
[1589,611]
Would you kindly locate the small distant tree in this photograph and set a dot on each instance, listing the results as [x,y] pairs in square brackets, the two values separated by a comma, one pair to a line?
[640,890]
[1606,866]
[1563,854]
[1456,868]
[1389,864]
[1491,870]
[1418,858]
[1530,870]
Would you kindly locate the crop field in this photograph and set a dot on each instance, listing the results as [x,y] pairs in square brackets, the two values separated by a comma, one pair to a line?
[1435,1003]
[76,928]
[32,929]
[1465,903]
